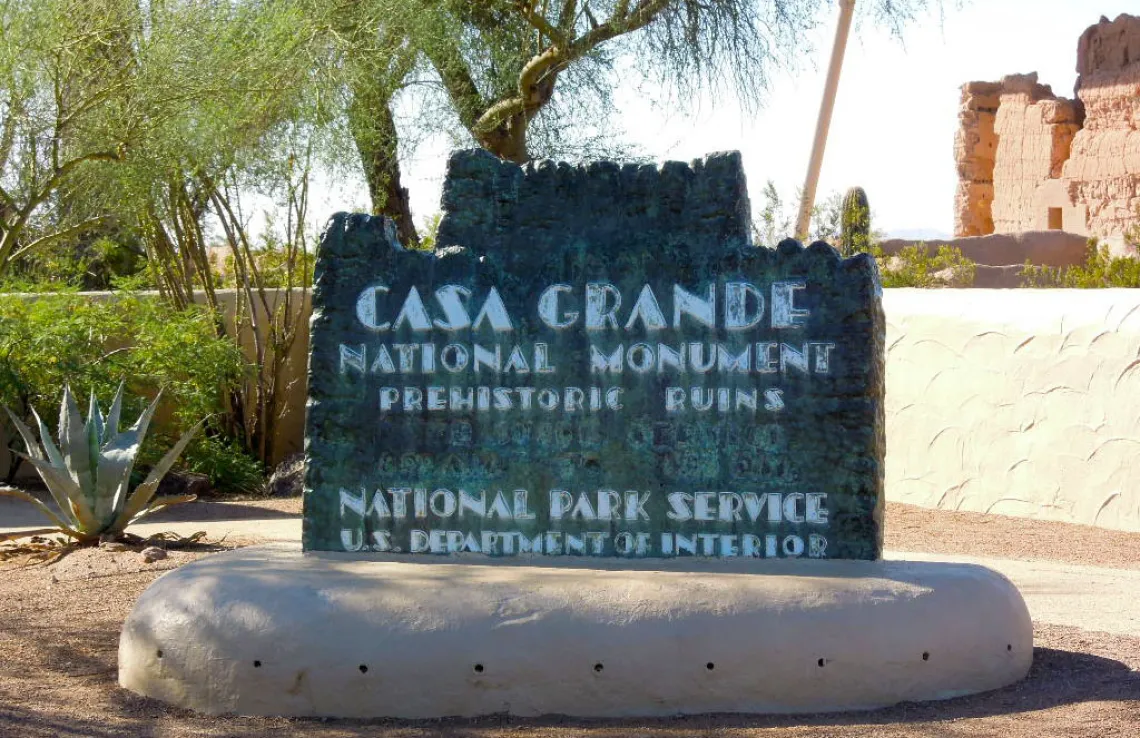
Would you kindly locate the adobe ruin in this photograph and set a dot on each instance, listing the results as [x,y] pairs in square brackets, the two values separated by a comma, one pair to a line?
[1029,160]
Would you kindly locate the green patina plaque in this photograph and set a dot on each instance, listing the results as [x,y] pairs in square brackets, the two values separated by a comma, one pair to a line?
[595,361]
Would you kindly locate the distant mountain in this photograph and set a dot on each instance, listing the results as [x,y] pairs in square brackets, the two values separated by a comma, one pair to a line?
[915,234]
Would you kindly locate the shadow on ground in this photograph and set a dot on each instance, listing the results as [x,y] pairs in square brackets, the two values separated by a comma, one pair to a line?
[1058,678]
[205,510]
[15,513]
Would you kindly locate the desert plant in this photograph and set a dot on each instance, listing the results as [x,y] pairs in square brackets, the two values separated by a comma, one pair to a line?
[775,220]
[92,343]
[855,231]
[1101,269]
[88,474]
[917,266]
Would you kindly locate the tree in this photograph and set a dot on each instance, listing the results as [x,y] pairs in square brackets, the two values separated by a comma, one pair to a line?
[249,124]
[68,104]
[503,64]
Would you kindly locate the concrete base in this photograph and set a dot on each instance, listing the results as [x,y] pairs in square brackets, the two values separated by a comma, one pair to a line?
[269,631]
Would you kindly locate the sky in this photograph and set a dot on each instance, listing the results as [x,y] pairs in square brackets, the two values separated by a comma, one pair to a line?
[892,132]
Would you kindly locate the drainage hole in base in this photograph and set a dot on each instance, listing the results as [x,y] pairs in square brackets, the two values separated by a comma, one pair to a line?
[821,662]
[257,664]
[926,656]
[478,668]
[598,667]
[158,653]
[710,666]
[364,668]
[1008,647]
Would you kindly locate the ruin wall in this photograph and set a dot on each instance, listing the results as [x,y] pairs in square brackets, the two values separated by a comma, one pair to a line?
[1029,160]
[1103,172]
[1034,130]
[974,149]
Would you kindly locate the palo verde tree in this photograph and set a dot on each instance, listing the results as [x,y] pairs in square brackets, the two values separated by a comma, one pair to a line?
[505,65]
[168,120]
[248,127]
[69,104]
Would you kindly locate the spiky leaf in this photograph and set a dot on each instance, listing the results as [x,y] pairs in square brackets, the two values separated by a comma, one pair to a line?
[93,433]
[143,494]
[111,424]
[26,433]
[116,461]
[35,452]
[44,509]
[66,493]
[73,444]
[50,450]
[5,537]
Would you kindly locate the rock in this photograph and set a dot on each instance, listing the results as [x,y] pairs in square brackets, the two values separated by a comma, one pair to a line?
[113,546]
[288,478]
[184,483]
[596,286]
[152,554]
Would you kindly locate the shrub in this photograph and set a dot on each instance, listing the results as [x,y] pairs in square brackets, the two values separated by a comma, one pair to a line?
[1101,269]
[915,266]
[51,341]
[227,464]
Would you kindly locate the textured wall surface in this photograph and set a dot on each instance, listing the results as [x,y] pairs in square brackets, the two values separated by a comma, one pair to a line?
[1025,156]
[1104,171]
[1034,130]
[1022,403]
[975,146]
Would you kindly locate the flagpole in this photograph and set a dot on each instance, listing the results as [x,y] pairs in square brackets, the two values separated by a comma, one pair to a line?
[826,106]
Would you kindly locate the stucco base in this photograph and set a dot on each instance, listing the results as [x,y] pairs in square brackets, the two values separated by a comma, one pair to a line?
[269,631]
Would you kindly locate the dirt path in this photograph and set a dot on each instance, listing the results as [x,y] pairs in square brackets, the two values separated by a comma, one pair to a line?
[59,637]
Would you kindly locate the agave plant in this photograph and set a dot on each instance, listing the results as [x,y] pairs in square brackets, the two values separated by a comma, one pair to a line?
[88,474]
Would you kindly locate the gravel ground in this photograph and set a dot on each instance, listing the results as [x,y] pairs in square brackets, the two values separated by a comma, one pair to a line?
[59,637]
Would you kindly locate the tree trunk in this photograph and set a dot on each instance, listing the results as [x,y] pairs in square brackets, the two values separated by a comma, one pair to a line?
[508,139]
[374,131]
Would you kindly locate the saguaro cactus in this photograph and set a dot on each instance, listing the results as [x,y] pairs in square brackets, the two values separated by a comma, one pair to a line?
[855,233]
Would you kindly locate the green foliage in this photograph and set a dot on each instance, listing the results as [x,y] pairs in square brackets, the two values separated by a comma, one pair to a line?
[916,266]
[230,468]
[776,219]
[855,231]
[88,474]
[1101,269]
[430,231]
[56,340]
[90,263]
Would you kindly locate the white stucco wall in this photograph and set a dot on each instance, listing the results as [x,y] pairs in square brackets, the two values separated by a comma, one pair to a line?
[1017,402]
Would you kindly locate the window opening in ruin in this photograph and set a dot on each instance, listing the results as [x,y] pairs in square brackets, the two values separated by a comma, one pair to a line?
[1056,220]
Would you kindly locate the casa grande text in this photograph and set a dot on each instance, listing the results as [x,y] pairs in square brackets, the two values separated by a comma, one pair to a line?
[630,335]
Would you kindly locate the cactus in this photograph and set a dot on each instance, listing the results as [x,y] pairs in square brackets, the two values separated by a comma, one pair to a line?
[88,474]
[855,233]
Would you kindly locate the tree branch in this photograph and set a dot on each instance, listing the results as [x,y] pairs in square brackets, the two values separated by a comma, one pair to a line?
[535,85]
[537,21]
[641,15]
[460,85]
[45,240]
[567,16]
